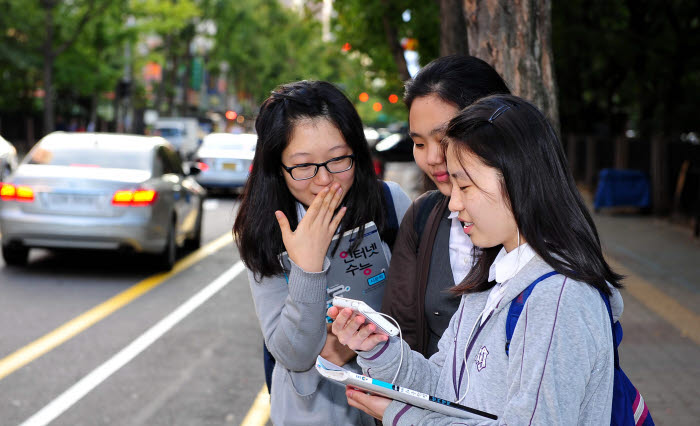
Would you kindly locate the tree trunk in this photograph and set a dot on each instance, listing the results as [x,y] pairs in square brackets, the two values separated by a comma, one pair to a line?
[49,58]
[621,152]
[29,143]
[92,124]
[392,38]
[515,37]
[453,28]
[659,175]
[172,84]
[160,93]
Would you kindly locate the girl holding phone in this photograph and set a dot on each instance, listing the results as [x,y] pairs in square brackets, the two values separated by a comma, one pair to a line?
[312,176]
[517,200]
[432,254]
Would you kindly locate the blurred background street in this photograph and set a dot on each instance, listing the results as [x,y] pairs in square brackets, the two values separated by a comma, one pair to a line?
[127,134]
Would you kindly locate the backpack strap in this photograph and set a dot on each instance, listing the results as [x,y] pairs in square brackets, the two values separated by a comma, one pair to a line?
[391,220]
[516,307]
[426,206]
[615,326]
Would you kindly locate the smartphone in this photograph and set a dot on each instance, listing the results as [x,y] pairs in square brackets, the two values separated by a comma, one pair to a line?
[360,307]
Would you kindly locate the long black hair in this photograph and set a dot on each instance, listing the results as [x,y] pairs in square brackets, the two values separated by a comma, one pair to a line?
[456,79]
[256,231]
[514,137]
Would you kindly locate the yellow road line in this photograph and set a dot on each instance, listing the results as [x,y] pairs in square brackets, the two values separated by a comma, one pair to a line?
[41,346]
[259,413]
[658,302]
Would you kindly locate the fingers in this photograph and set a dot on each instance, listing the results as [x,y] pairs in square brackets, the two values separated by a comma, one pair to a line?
[372,341]
[340,323]
[315,207]
[361,336]
[345,327]
[352,331]
[335,223]
[373,405]
[330,202]
[332,313]
[355,399]
[283,224]
[353,402]
[334,203]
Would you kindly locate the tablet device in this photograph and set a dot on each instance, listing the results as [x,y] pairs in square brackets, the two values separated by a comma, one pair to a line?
[418,399]
[358,274]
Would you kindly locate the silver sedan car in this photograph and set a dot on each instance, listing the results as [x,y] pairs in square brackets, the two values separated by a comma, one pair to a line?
[8,159]
[225,160]
[101,191]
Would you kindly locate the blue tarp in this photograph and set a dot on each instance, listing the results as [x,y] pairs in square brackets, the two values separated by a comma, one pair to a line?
[629,188]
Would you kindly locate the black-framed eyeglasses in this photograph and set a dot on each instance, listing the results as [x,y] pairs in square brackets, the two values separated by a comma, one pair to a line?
[308,170]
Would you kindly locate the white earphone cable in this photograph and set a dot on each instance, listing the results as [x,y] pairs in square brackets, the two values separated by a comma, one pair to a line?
[464,357]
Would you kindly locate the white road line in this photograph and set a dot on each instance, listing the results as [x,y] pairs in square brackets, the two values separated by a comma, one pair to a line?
[73,394]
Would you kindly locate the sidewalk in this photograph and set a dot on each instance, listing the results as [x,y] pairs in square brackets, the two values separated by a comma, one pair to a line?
[660,351]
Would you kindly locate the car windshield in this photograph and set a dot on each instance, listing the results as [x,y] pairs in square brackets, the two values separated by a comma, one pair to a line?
[168,132]
[229,145]
[107,158]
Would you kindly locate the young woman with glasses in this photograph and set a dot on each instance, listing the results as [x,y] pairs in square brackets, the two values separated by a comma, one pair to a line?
[312,177]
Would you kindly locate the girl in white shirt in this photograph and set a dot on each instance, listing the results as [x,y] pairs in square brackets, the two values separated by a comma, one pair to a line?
[518,202]
[426,265]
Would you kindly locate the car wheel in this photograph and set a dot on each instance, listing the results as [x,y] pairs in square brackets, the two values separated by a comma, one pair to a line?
[167,259]
[15,255]
[195,241]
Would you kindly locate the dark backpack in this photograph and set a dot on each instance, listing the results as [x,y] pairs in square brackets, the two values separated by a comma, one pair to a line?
[393,227]
[628,406]
[424,210]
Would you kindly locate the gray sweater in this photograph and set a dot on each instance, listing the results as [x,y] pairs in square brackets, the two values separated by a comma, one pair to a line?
[560,368]
[292,319]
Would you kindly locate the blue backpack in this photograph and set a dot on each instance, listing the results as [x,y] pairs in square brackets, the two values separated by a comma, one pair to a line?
[628,406]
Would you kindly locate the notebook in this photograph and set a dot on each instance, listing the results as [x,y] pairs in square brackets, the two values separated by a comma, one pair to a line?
[359,274]
[417,399]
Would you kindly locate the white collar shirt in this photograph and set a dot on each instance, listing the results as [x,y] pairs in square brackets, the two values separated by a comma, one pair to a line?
[461,250]
[502,270]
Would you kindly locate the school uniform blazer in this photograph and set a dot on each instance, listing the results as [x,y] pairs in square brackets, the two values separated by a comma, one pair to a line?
[560,368]
[292,318]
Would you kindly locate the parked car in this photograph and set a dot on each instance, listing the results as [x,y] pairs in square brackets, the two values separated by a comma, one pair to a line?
[225,160]
[182,132]
[101,191]
[392,145]
[395,145]
[8,159]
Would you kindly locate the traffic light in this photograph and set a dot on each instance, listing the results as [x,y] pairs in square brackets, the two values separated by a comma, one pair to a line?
[231,115]
[393,98]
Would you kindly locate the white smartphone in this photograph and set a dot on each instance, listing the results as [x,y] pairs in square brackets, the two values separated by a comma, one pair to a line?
[360,307]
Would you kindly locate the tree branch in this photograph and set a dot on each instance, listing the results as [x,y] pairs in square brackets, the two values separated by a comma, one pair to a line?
[89,14]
